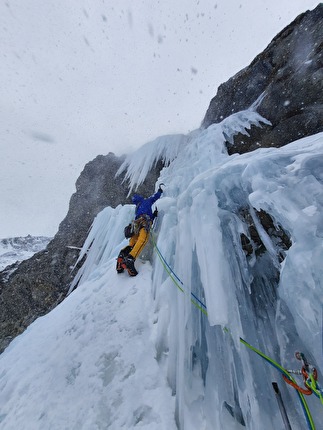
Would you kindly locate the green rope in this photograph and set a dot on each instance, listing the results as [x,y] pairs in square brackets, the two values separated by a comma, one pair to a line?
[285,372]
[173,278]
[313,385]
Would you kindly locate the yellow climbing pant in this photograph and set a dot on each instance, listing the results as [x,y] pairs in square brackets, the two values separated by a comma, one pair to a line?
[138,242]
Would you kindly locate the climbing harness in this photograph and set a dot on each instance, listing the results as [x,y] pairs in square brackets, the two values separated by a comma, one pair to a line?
[134,227]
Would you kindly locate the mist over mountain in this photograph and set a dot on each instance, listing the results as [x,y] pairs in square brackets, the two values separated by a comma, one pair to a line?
[240,234]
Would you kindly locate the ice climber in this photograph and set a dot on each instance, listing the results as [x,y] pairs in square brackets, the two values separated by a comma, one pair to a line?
[139,235]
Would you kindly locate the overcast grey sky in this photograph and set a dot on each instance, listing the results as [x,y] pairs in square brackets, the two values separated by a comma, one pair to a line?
[85,77]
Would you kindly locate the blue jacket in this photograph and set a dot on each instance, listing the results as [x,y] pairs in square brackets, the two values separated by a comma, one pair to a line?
[144,206]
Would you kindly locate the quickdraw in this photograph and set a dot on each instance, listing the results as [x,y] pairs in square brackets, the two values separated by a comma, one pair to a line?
[287,374]
[307,381]
[310,376]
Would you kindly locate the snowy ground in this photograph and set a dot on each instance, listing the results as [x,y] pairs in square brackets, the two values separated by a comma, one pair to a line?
[89,364]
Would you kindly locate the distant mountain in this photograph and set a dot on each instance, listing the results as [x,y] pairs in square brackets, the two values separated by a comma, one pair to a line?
[16,249]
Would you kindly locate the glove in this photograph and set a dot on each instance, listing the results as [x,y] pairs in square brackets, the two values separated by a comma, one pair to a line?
[155,213]
[160,190]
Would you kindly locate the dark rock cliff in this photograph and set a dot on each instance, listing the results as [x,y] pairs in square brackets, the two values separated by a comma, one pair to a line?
[289,73]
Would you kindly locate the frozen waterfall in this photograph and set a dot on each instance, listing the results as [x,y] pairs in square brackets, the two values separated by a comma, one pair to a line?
[137,351]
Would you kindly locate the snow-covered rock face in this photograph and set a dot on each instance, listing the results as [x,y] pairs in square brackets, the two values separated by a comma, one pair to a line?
[162,351]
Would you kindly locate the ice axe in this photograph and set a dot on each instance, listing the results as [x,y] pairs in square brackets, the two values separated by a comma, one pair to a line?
[161,185]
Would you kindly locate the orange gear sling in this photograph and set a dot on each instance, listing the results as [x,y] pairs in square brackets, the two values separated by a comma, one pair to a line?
[307,391]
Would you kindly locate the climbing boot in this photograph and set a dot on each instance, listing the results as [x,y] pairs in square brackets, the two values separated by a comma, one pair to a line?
[119,267]
[120,260]
[129,264]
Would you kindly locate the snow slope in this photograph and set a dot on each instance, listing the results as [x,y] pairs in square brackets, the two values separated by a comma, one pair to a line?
[89,364]
[129,353]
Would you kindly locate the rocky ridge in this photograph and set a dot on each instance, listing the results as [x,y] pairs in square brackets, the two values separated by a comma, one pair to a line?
[288,75]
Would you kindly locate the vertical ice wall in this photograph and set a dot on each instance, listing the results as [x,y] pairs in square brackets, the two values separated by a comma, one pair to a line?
[218,383]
